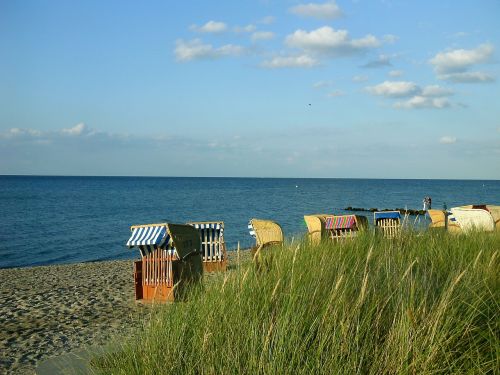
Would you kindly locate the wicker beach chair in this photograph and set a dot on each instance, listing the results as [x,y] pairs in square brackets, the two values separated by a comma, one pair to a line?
[266,233]
[388,223]
[342,227]
[316,227]
[170,256]
[495,214]
[213,247]
[475,218]
[438,220]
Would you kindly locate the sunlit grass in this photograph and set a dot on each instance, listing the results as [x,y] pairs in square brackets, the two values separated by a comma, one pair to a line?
[420,304]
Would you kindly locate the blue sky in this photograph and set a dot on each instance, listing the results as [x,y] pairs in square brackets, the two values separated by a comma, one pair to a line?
[376,89]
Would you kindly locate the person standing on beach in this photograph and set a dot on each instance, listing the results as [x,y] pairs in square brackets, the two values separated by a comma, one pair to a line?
[427,203]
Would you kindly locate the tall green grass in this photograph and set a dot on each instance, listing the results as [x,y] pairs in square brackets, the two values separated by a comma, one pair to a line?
[421,304]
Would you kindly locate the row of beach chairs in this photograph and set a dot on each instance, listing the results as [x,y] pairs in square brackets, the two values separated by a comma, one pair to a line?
[467,218]
[340,227]
[174,255]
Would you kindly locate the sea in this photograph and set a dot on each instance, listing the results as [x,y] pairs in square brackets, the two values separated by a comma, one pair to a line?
[48,220]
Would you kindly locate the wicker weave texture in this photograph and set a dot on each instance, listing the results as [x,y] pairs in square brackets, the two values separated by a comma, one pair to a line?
[315,226]
[266,232]
[473,219]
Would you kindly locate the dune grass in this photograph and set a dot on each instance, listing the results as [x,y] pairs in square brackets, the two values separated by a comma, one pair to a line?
[422,304]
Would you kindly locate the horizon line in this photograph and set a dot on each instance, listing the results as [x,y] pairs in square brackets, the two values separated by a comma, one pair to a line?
[256,177]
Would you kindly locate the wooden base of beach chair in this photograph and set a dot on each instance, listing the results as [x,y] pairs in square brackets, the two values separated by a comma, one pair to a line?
[342,234]
[390,228]
[150,293]
[164,279]
[158,293]
[219,266]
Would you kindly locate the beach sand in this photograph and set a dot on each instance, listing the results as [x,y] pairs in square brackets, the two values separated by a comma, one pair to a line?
[50,310]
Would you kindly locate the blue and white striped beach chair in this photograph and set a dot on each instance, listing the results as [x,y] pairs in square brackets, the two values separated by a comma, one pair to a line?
[170,256]
[213,247]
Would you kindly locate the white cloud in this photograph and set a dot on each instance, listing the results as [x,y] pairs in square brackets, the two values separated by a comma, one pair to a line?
[394,89]
[460,34]
[395,73]
[195,49]
[389,38]
[192,50]
[467,77]
[327,40]
[435,91]
[419,101]
[244,29]
[459,60]
[322,84]
[262,35]
[447,140]
[15,131]
[432,96]
[230,50]
[327,11]
[210,27]
[405,88]
[359,79]
[79,129]
[300,61]
[336,93]
[21,133]
[381,62]
[267,20]
[76,130]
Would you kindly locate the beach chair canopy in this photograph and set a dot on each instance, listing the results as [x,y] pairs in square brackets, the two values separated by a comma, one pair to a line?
[340,222]
[437,217]
[178,239]
[315,226]
[492,209]
[387,215]
[154,235]
[265,231]
[473,218]
[215,225]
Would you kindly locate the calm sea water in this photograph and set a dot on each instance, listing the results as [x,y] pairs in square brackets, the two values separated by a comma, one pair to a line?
[49,220]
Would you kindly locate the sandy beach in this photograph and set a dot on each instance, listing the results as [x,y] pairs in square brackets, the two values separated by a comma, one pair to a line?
[50,310]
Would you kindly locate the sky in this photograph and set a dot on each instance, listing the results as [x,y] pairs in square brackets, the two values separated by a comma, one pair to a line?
[340,89]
